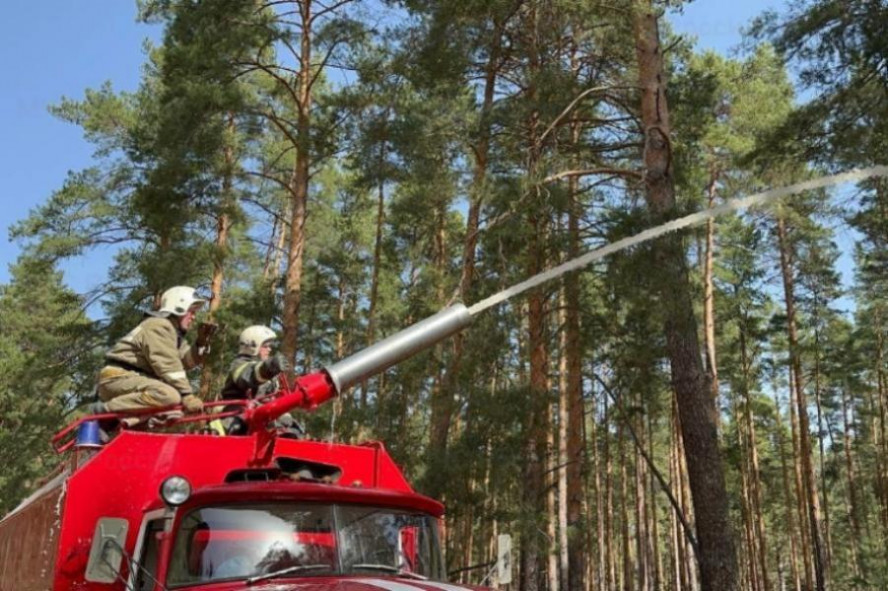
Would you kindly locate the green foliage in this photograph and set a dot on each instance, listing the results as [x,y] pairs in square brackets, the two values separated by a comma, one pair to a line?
[402,141]
[47,347]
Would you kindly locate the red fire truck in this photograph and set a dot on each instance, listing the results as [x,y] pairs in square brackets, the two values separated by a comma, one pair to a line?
[162,511]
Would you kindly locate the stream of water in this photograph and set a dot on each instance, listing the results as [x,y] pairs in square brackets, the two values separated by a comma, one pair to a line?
[677,224]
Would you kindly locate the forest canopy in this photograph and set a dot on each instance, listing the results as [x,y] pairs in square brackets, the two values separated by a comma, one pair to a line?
[703,411]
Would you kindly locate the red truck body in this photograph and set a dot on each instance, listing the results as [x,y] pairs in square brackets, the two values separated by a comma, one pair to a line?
[45,543]
[259,511]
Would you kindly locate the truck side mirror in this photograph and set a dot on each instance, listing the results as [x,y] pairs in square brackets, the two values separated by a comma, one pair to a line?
[106,551]
[504,559]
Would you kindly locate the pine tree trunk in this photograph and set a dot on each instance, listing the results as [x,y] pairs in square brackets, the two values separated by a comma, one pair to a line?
[809,485]
[690,572]
[275,254]
[609,561]
[299,189]
[820,444]
[853,509]
[680,560]
[641,526]
[693,386]
[553,471]
[575,452]
[625,550]
[755,488]
[442,406]
[798,489]
[708,294]
[656,559]
[792,529]
[537,225]
[373,298]
[270,251]
[563,458]
[223,225]
[879,434]
[745,510]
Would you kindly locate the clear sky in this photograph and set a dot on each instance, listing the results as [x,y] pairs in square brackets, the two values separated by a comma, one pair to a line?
[55,48]
[50,49]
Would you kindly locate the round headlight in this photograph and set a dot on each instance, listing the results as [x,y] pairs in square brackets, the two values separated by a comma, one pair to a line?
[175,490]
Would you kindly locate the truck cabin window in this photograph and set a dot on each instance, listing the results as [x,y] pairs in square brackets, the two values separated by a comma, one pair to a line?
[303,540]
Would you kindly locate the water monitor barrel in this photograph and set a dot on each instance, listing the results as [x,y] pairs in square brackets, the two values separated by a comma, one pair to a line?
[398,347]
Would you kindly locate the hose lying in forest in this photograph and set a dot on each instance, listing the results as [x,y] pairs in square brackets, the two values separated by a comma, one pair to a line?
[672,226]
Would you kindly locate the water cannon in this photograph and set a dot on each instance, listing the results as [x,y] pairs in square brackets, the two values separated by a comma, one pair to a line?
[314,389]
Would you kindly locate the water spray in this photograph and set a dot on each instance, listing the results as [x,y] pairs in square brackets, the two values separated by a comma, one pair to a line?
[672,226]
[314,389]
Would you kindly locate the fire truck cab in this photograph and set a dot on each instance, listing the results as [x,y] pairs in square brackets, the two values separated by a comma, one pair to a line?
[151,511]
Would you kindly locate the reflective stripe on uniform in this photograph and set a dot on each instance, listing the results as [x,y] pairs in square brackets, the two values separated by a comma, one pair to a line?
[242,368]
[217,426]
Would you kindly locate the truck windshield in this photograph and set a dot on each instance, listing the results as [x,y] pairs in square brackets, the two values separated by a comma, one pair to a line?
[303,539]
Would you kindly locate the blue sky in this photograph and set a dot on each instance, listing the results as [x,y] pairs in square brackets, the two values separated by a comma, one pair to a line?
[50,49]
[55,48]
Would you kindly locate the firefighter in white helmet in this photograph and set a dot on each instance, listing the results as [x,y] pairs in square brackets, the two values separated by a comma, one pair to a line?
[146,368]
[254,369]
[253,373]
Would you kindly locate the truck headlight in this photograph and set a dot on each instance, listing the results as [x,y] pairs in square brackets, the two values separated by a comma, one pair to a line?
[175,490]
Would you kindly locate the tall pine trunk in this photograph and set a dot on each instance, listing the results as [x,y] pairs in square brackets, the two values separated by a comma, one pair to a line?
[442,404]
[573,397]
[223,225]
[709,293]
[298,188]
[809,484]
[563,461]
[754,479]
[692,385]
[850,478]
[373,298]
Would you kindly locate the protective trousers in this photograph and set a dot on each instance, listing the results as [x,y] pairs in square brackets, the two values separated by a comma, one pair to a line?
[122,390]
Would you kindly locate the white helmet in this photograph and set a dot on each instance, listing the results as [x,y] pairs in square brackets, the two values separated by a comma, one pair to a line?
[178,300]
[252,338]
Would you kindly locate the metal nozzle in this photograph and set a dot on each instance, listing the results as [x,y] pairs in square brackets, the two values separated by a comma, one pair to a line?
[386,353]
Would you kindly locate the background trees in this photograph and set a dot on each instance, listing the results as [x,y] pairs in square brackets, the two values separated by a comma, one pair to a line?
[340,170]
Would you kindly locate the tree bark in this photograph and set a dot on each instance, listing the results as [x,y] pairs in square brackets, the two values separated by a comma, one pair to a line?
[709,294]
[223,225]
[850,478]
[377,265]
[692,385]
[563,457]
[442,406]
[809,485]
[573,394]
[299,188]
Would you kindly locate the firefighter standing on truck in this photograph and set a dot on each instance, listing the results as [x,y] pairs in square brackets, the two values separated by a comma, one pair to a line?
[146,368]
[255,368]
[253,373]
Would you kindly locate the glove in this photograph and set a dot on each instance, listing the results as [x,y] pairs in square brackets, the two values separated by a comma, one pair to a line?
[192,403]
[275,365]
[205,332]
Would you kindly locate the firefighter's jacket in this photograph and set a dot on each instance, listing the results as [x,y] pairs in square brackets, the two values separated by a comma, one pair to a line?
[248,374]
[157,348]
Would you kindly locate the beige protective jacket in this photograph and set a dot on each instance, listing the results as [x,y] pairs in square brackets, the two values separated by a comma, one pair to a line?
[156,349]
